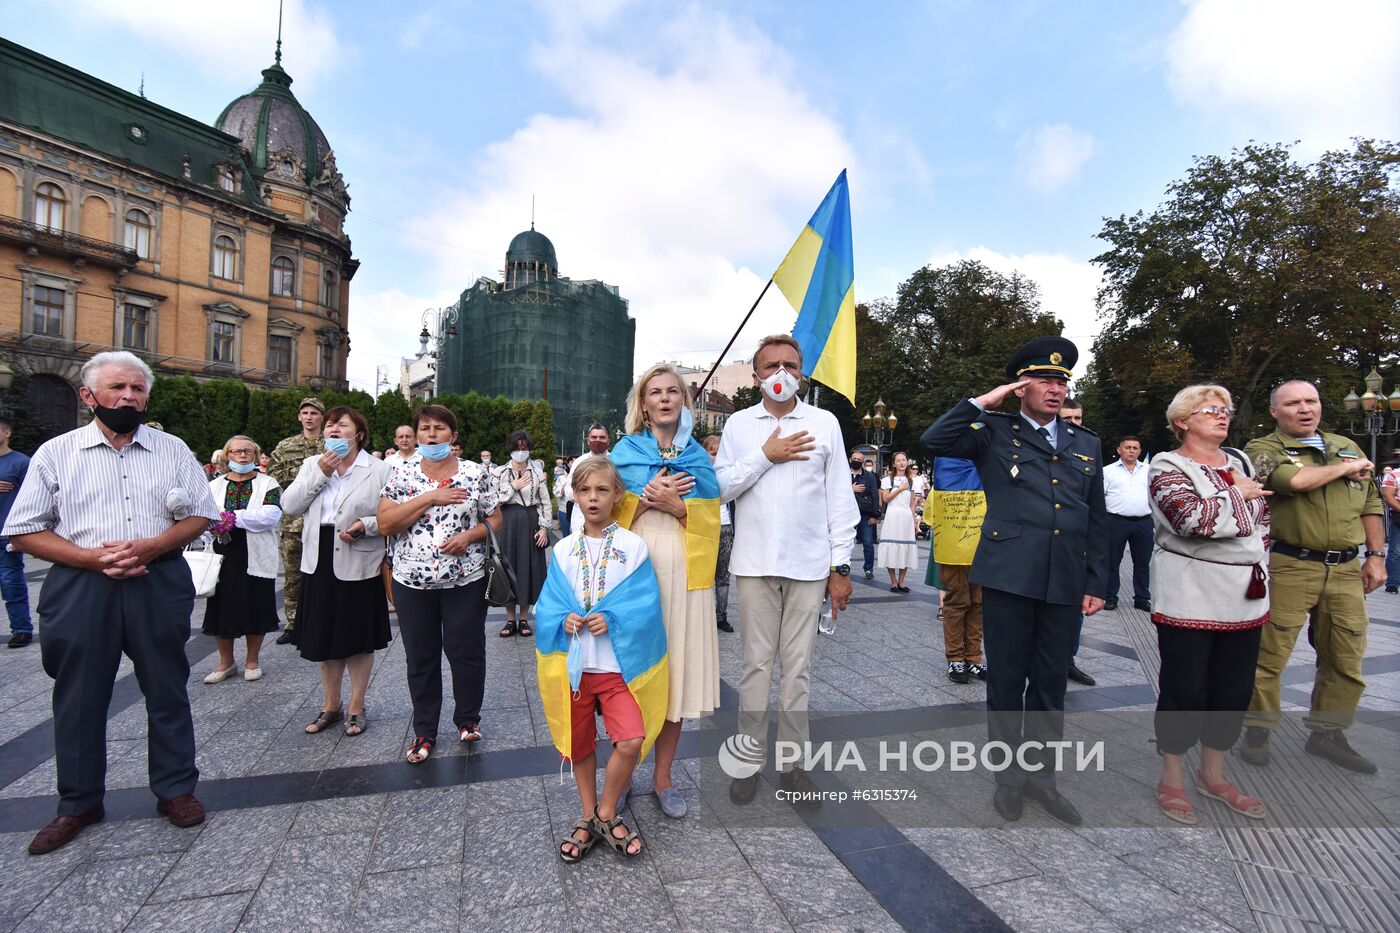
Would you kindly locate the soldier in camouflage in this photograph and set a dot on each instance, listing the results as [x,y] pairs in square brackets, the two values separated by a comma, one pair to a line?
[287,458]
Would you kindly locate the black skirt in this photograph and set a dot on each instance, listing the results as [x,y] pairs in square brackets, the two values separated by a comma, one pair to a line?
[518,526]
[241,605]
[338,619]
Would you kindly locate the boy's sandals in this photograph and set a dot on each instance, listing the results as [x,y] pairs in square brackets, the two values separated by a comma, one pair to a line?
[508,629]
[324,720]
[419,751]
[525,630]
[605,831]
[580,847]
[1232,797]
[1175,804]
[356,724]
[471,732]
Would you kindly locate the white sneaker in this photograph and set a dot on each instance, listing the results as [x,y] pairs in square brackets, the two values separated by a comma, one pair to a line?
[252,673]
[217,676]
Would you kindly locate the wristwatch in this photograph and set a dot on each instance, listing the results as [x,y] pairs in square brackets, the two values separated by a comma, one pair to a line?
[843,569]
[1375,554]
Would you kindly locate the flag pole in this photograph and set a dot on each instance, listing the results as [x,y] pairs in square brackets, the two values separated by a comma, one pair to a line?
[723,353]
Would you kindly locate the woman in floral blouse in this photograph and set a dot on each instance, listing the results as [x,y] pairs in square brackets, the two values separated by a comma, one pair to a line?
[439,506]
[244,605]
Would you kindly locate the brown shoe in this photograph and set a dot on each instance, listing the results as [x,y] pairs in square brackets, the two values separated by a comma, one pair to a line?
[61,831]
[183,810]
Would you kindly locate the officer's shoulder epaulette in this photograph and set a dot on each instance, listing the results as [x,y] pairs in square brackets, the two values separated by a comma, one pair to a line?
[1080,427]
[997,414]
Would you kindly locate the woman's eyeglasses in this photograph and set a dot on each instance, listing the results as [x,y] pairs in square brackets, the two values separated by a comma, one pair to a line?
[1215,411]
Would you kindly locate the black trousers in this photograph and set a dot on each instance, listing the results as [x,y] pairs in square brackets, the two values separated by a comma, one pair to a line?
[1136,533]
[87,622]
[432,623]
[1204,686]
[1028,644]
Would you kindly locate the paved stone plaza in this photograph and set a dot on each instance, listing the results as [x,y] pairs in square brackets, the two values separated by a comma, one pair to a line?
[327,832]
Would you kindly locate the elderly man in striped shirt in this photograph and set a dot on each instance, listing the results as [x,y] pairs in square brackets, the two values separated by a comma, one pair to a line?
[111,505]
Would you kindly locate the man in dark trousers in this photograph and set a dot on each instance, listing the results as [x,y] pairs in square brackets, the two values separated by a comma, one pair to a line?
[866,486]
[1040,561]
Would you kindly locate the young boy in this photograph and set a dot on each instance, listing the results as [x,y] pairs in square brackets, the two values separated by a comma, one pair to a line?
[600,645]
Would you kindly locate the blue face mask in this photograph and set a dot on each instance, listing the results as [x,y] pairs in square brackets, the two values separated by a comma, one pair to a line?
[575,663]
[338,446]
[237,467]
[435,451]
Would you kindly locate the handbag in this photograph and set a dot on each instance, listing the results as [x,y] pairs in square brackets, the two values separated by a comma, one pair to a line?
[204,568]
[500,579]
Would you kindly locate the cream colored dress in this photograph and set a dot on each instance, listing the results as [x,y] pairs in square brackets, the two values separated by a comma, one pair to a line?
[692,638]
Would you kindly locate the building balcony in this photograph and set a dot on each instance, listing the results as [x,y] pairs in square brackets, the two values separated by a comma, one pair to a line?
[35,239]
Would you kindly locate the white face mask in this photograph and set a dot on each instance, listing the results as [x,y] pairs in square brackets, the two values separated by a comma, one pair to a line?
[520,456]
[780,386]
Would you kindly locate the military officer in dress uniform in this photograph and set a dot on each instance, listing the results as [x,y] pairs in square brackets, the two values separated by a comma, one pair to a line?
[283,466]
[1040,560]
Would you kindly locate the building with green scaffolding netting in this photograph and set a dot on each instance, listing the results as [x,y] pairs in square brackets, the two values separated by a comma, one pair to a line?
[539,336]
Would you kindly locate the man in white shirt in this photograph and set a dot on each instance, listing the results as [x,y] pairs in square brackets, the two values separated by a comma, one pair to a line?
[1129,503]
[784,463]
[597,440]
[405,445]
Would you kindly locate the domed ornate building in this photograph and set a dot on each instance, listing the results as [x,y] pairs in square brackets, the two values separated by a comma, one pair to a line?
[212,251]
[537,335]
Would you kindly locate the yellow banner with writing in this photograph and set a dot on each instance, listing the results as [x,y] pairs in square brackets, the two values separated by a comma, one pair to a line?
[956,519]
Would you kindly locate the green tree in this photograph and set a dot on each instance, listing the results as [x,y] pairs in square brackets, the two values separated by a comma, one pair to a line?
[1256,269]
[224,405]
[540,424]
[391,409]
[175,404]
[746,397]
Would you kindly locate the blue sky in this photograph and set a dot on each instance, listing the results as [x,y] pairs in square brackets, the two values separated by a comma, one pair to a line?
[676,149]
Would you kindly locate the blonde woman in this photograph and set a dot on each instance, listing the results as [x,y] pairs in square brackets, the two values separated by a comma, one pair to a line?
[672,503]
[244,605]
[1210,517]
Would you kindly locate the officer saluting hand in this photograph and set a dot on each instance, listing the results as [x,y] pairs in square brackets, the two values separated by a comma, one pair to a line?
[1040,559]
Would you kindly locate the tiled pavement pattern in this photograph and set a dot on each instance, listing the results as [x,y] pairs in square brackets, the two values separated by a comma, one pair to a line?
[328,832]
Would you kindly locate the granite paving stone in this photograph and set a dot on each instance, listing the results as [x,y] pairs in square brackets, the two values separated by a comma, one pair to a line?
[232,853]
[312,885]
[420,828]
[510,861]
[219,914]
[394,901]
[99,895]
[725,902]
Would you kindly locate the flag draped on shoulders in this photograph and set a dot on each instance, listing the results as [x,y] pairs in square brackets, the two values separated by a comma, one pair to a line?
[638,458]
[632,606]
[955,509]
[818,279]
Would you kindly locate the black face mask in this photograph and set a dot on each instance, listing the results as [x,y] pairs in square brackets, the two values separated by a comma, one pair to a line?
[857,464]
[120,420]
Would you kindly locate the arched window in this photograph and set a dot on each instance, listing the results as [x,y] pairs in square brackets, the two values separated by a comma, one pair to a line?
[138,232]
[49,203]
[225,257]
[328,295]
[284,273]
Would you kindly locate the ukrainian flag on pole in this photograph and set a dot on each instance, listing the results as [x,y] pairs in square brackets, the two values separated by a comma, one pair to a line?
[818,279]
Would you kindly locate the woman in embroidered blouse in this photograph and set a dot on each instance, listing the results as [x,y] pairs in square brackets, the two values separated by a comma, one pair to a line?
[439,506]
[244,605]
[523,492]
[658,431]
[1210,520]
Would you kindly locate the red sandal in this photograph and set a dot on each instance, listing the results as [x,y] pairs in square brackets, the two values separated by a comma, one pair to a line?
[1232,797]
[1175,804]
[419,751]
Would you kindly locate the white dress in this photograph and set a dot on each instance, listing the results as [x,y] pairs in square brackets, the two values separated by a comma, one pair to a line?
[897,548]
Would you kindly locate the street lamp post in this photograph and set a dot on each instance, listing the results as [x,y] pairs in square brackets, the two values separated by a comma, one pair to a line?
[880,427]
[1369,411]
[438,325]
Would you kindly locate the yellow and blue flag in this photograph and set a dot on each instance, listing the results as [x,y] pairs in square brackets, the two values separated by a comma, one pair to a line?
[638,635]
[818,279]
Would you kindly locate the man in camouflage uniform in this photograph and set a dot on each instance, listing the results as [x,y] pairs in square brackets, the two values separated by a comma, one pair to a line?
[1324,506]
[287,458]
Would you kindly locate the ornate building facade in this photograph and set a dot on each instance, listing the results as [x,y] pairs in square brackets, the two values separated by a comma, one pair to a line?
[211,251]
[538,335]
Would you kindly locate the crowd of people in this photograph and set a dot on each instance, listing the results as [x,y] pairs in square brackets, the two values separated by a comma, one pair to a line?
[1233,552]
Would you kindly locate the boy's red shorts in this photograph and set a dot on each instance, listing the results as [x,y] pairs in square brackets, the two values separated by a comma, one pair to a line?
[606,694]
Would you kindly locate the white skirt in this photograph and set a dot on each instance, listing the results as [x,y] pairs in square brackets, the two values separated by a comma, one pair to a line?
[898,550]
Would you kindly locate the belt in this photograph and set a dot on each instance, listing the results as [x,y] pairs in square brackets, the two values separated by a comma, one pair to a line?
[1322,557]
[1131,518]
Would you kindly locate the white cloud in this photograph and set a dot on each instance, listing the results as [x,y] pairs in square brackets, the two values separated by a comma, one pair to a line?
[219,39]
[1052,155]
[1067,288]
[682,157]
[1320,72]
